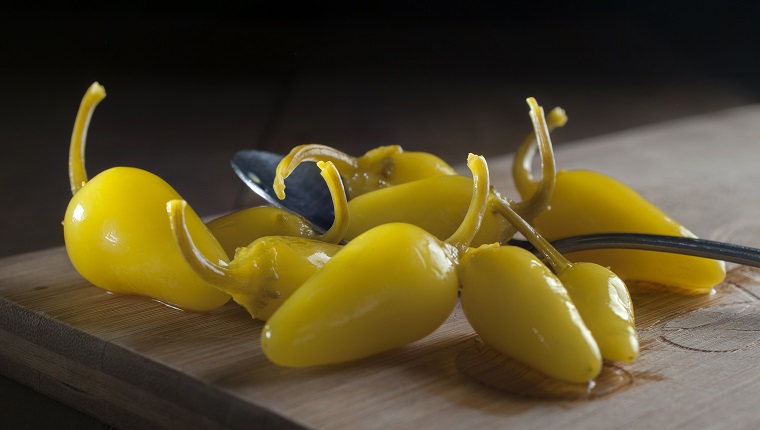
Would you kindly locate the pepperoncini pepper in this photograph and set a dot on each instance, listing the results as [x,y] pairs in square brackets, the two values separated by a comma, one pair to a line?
[519,307]
[381,167]
[116,232]
[388,287]
[560,324]
[264,274]
[438,203]
[601,297]
[587,202]
[435,204]
[240,228]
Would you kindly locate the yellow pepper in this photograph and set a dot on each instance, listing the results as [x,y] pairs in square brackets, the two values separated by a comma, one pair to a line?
[265,273]
[240,228]
[561,324]
[605,305]
[116,232]
[586,202]
[600,296]
[438,203]
[381,167]
[388,287]
[519,307]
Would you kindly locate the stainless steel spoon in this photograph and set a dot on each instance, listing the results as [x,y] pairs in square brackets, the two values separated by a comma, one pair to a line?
[307,195]
[306,192]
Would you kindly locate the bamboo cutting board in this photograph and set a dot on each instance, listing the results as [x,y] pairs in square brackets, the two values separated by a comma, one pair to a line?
[135,363]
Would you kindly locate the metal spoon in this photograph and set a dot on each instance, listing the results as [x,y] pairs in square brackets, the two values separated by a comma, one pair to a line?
[306,192]
[307,195]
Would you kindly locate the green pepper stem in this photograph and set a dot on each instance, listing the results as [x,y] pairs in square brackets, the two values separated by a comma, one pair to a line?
[536,194]
[211,272]
[311,152]
[554,258]
[338,229]
[77,172]
[481,184]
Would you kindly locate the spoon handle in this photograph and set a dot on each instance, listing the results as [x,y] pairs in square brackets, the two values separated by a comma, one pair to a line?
[653,242]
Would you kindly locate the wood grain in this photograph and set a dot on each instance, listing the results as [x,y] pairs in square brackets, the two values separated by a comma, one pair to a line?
[143,364]
[135,363]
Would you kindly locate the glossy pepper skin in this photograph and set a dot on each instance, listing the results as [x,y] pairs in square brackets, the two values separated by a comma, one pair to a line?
[386,288]
[601,297]
[520,308]
[381,167]
[605,305]
[117,236]
[240,228]
[266,272]
[437,205]
[586,202]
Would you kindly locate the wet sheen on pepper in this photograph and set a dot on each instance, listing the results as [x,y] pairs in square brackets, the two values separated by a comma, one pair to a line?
[587,202]
[600,296]
[117,235]
[264,274]
[388,287]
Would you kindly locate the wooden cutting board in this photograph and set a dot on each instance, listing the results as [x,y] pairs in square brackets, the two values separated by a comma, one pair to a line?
[135,363]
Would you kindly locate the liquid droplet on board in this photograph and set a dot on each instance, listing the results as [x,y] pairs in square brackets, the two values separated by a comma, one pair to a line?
[492,368]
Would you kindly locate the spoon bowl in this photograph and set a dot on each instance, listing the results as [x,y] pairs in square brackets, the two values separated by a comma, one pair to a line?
[308,196]
[306,193]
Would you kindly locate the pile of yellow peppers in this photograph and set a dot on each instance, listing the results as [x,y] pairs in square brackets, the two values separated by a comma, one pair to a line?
[410,238]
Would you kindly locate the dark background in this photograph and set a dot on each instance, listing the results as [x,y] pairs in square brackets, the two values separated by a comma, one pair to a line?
[185,93]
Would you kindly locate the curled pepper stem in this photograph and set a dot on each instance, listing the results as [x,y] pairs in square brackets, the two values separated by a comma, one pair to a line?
[77,172]
[338,229]
[311,152]
[211,272]
[536,194]
[554,258]
[481,183]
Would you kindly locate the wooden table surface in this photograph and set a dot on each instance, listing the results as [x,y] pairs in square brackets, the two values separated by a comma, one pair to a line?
[135,363]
